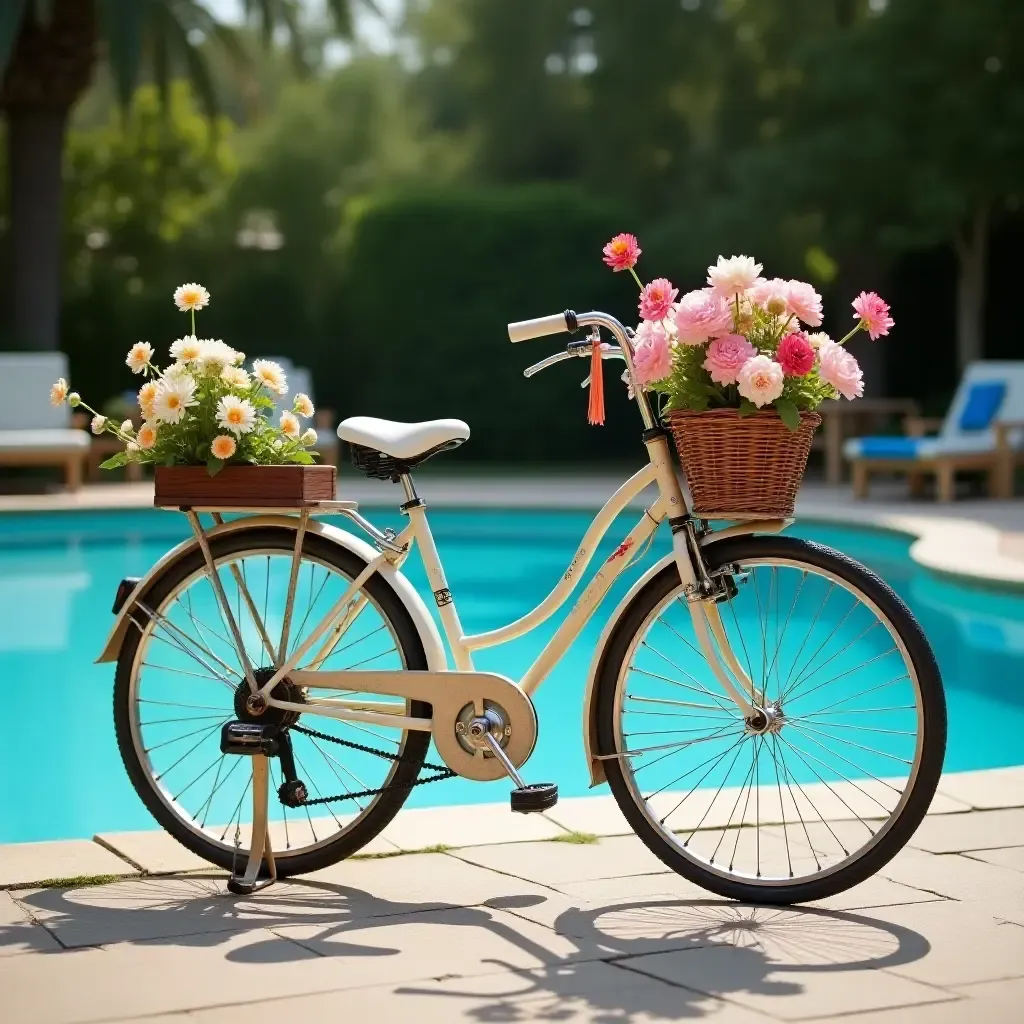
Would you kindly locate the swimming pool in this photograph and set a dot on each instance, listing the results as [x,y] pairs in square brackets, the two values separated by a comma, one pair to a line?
[60,773]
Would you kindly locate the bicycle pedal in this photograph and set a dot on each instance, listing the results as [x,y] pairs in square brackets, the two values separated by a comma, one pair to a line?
[540,796]
[248,738]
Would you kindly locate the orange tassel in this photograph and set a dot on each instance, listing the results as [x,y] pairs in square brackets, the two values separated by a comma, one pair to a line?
[595,409]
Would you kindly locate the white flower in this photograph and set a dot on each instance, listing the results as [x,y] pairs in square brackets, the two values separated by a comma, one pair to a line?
[146,438]
[98,423]
[186,349]
[215,355]
[191,296]
[270,375]
[819,340]
[303,405]
[760,380]
[147,396]
[173,397]
[235,376]
[127,426]
[74,399]
[223,446]
[132,446]
[289,425]
[309,437]
[236,414]
[59,392]
[178,371]
[140,356]
[736,274]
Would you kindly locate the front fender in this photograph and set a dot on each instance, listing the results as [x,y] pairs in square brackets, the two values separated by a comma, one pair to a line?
[596,767]
[437,660]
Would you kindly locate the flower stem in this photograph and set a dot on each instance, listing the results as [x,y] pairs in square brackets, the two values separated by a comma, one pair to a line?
[844,340]
[639,283]
[193,312]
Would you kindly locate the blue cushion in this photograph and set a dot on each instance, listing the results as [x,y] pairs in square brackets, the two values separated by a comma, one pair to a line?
[983,401]
[889,447]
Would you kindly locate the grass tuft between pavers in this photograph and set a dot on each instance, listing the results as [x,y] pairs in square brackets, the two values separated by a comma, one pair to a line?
[77,881]
[436,848]
[576,838]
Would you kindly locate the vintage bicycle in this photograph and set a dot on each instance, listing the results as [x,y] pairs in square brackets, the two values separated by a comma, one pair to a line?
[767,712]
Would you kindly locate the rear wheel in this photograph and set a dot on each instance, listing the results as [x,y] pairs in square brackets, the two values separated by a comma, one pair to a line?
[826,786]
[179,679]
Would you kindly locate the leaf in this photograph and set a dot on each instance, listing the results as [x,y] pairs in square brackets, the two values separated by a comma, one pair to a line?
[747,408]
[303,458]
[788,413]
[115,461]
[214,465]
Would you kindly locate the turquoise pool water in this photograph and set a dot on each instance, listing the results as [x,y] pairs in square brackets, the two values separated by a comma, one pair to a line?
[60,773]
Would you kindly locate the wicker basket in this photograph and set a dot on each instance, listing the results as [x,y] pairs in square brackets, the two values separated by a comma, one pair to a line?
[742,467]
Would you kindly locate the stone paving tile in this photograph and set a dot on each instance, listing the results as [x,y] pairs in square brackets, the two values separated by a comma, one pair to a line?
[979,830]
[18,932]
[667,884]
[789,988]
[987,789]
[961,944]
[598,815]
[1008,907]
[475,825]
[1008,857]
[26,863]
[163,908]
[951,874]
[586,992]
[156,852]
[553,863]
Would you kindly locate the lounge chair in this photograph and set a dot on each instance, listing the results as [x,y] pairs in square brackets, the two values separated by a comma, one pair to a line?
[33,432]
[983,431]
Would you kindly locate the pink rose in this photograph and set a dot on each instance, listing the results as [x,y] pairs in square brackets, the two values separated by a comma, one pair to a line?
[702,315]
[725,357]
[656,299]
[803,302]
[652,355]
[622,252]
[873,312]
[795,354]
[760,380]
[841,370]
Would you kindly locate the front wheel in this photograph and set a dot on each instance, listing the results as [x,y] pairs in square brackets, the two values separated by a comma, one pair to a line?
[826,786]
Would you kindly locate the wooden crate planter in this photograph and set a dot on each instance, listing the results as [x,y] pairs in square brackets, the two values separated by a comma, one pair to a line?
[244,486]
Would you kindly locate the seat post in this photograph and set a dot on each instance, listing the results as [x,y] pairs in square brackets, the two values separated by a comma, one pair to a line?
[409,487]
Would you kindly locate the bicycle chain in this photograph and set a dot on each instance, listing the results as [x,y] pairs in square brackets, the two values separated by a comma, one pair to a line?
[441,772]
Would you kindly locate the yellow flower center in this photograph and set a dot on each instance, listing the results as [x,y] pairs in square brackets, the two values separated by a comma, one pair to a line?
[234,415]
[173,401]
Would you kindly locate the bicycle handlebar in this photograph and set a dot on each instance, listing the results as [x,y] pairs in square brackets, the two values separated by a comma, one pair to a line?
[541,327]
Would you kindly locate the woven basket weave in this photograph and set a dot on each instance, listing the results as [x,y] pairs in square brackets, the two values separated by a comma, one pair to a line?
[747,467]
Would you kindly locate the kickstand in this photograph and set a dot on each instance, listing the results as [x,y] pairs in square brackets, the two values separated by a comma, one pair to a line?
[260,847]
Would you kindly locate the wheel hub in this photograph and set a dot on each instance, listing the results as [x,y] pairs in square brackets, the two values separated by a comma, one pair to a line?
[766,720]
[251,707]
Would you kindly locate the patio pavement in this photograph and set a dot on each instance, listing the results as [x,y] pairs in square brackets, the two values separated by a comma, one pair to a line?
[524,927]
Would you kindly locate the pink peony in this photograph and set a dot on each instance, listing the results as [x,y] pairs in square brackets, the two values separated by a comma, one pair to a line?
[873,312]
[622,252]
[841,370]
[702,315]
[795,354]
[773,295]
[656,299]
[725,357]
[760,380]
[729,277]
[652,355]
[803,302]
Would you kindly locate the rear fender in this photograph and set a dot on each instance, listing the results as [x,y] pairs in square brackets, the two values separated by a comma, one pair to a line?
[597,775]
[436,659]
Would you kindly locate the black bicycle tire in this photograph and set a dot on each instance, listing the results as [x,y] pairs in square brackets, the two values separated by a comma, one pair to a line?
[384,809]
[738,549]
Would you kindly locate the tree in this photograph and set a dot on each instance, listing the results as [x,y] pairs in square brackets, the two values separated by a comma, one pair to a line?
[48,50]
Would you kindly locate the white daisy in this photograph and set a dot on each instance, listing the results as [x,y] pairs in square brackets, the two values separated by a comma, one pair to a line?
[173,398]
[140,356]
[59,392]
[214,355]
[235,376]
[191,296]
[289,424]
[186,349]
[303,405]
[178,371]
[147,396]
[146,438]
[309,437]
[236,414]
[270,375]
[98,423]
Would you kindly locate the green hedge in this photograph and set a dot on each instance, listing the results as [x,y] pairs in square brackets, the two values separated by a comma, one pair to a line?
[431,281]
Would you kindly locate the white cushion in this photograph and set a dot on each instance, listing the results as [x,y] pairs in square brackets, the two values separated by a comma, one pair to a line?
[43,440]
[25,381]
[401,440]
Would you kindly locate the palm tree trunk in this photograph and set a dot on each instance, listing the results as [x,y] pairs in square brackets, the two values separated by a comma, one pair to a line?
[972,259]
[35,147]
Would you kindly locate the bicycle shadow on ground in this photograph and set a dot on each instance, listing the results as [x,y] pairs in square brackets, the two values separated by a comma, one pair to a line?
[764,951]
